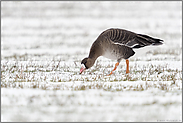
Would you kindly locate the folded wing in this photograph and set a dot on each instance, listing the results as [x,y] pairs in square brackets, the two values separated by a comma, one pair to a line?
[131,39]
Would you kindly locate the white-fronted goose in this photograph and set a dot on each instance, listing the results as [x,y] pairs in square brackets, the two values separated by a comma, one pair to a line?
[117,44]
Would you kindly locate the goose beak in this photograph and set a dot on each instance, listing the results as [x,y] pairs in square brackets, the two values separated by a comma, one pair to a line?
[82,69]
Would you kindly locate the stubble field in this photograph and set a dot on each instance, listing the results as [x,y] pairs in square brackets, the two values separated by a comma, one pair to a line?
[43,43]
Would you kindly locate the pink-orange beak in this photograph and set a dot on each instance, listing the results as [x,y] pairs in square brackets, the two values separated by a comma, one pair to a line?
[82,69]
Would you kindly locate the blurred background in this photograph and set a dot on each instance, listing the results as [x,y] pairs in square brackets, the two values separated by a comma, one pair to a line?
[43,43]
[60,28]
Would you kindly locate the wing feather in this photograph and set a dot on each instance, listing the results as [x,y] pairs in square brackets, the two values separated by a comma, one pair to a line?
[130,39]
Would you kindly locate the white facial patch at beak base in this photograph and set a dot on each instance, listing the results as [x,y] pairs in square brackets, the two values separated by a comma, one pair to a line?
[82,68]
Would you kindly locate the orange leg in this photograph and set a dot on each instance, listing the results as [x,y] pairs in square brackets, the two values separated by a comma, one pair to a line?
[127,66]
[114,68]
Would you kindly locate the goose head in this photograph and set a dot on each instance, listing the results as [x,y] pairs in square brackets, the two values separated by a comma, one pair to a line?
[86,64]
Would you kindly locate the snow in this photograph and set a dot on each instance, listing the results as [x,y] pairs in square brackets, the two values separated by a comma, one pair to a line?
[90,104]
[44,42]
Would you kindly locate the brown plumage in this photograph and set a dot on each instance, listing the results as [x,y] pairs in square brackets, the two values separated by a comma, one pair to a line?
[117,44]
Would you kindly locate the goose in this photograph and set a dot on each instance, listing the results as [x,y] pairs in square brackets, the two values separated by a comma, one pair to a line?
[117,44]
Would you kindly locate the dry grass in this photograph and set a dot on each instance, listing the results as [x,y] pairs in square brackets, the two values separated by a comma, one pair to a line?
[15,73]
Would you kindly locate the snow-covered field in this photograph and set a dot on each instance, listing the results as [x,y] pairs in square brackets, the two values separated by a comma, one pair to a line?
[43,43]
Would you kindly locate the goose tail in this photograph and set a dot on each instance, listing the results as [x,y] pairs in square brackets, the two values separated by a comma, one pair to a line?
[145,40]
